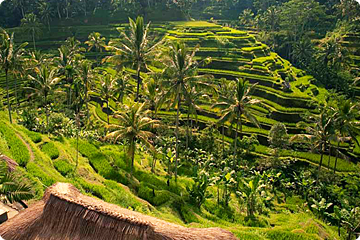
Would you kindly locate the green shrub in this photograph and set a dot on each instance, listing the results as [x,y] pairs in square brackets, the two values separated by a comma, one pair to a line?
[39,173]
[34,136]
[124,197]
[99,162]
[51,150]
[98,191]
[155,197]
[186,213]
[17,148]
[63,167]
[283,235]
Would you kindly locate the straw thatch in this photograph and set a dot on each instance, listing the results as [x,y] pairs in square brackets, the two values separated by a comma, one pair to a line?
[66,214]
[11,164]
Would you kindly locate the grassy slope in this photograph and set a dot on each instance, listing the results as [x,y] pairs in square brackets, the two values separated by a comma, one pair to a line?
[102,173]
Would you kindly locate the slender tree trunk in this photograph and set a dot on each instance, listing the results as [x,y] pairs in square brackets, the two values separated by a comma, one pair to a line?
[47,113]
[223,140]
[321,161]
[132,146]
[235,146]
[77,141]
[33,35]
[187,130]
[138,83]
[108,109]
[7,93]
[16,94]
[329,156]
[177,135]
[337,156]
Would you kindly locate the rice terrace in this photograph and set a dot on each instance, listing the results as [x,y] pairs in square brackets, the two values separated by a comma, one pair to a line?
[179,119]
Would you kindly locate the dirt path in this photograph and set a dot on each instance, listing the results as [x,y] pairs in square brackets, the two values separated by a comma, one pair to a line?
[32,156]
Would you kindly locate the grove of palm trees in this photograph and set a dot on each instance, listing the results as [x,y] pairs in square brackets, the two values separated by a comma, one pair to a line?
[242,115]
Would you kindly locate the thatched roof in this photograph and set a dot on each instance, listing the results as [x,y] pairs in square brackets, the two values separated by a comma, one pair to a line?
[66,214]
[11,164]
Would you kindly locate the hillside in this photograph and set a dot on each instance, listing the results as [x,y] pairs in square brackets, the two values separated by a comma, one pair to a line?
[102,170]
[102,173]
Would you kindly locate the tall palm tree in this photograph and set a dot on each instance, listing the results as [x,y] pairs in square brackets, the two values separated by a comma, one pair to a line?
[123,86]
[180,75]
[347,126]
[96,41]
[246,18]
[10,57]
[45,81]
[31,24]
[135,49]
[46,12]
[319,134]
[152,94]
[86,78]
[235,105]
[133,126]
[107,91]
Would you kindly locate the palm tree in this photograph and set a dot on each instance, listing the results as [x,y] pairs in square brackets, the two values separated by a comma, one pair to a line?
[86,77]
[11,190]
[319,134]
[132,126]
[31,24]
[107,91]
[246,18]
[134,49]
[45,81]
[346,124]
[236,105]
[46,12]
[10,57]
[152,94]
[180,76]
[96,41]
[123,86]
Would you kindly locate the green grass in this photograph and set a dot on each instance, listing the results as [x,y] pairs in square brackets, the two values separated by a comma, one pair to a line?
[17,148]
[63,167]
[51,150]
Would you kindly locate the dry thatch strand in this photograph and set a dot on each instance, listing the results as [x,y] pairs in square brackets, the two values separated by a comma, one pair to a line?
[65,214]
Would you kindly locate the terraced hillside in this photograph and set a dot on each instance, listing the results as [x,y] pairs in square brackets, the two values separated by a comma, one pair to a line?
[352,41]
[285,92]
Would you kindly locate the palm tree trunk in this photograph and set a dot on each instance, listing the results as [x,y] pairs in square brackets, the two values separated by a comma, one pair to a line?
[321,161]
[132,150]
[138,83]
[47,113]
[77,142]
[337,156]
[7,93]
[16,95]
[33,36]
[188,130]
[177,135]
[107,112]
[223,140]
[329,156]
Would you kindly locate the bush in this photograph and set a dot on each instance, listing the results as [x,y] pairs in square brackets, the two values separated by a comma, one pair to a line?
[63,167]
[283,235]
[124,197]
[100,162]
[17,148]
[51,150]
[36,171]
[34,136]
[184,211]
[155,197]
